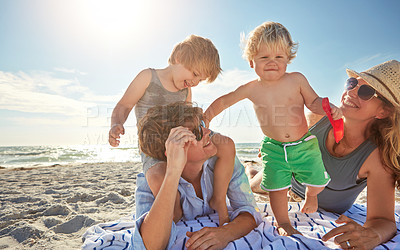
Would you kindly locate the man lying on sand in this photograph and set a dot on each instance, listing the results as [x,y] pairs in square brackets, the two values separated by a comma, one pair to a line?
[169,132]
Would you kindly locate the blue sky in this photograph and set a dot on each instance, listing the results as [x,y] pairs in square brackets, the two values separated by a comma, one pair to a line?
[65,64]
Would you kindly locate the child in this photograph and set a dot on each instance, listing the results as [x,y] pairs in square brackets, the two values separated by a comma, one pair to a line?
[193,60]
[279,98]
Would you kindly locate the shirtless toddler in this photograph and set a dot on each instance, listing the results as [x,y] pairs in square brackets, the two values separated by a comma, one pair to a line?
[279,98]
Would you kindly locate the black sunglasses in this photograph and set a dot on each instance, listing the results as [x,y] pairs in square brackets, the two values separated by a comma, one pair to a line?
[198,132]
[365,92]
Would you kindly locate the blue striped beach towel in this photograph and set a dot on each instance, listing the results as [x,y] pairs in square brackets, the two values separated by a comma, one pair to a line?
[118,234]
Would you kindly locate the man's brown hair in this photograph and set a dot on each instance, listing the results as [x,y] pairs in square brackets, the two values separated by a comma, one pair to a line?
[155,126]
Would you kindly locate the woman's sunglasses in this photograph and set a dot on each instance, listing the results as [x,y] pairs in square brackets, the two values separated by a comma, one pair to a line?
[365,92]
[198,132]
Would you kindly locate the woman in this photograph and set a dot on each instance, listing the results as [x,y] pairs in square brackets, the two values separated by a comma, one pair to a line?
[176,134]
[368,155]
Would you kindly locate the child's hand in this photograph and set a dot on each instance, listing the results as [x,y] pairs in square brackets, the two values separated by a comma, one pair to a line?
[336,112]
[114,134]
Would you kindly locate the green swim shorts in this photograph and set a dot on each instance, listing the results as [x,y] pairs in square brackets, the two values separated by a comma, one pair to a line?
[301,159]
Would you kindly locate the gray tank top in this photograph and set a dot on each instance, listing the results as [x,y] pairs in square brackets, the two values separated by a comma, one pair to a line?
[155,95]
[344,187]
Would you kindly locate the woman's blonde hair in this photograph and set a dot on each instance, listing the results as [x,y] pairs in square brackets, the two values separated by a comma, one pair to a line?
[155,126]
[197,53]
[273,35]
[385,133]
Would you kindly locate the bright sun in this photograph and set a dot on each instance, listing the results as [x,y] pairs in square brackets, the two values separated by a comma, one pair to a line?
[113,16]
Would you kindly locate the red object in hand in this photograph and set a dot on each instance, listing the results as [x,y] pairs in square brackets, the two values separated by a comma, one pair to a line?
[338,128]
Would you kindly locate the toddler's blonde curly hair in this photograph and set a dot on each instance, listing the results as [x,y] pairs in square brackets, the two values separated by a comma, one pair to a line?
[272,34]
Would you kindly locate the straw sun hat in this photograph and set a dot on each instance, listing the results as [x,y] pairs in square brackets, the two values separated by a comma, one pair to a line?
[385,78]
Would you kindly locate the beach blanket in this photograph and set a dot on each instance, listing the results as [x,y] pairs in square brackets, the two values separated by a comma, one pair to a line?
[118,234]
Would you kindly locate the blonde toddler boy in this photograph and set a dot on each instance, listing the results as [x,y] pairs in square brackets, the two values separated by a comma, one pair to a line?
[279,98]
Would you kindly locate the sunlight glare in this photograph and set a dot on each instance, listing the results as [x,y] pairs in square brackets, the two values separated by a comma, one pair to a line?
[114,17]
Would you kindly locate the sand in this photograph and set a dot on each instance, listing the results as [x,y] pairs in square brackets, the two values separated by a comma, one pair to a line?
[51,207]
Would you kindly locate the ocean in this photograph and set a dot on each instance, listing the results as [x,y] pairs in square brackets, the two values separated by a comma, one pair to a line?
[37,156]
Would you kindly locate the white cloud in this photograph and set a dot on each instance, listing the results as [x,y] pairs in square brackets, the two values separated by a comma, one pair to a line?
[70,71]
[368,61]
[228,81]
[40,92]
[35,121]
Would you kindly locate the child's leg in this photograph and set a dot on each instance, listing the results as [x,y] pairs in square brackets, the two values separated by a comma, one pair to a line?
[279,205]
[222,175]
[311,203]
[255,178]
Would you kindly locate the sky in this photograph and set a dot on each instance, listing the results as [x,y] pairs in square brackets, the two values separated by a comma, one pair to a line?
[65,64]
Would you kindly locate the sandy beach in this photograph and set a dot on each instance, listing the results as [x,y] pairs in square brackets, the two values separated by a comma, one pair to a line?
[51,207]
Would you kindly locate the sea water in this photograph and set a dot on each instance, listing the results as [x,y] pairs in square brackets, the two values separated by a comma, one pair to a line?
[35,156]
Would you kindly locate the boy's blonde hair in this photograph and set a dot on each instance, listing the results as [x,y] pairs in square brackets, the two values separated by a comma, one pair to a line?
[197,53]
[272,34]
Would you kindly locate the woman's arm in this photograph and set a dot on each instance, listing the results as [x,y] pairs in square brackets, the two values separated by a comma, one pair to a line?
[380,199]
[380,224]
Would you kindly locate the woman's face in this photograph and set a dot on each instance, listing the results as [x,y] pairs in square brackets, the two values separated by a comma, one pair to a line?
[204,148]
[354,107]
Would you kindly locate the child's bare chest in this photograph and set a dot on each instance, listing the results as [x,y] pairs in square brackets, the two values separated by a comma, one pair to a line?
[282,96]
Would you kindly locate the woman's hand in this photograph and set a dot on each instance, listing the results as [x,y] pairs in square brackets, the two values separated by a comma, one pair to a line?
[208,238]
[176,147]
[352,235]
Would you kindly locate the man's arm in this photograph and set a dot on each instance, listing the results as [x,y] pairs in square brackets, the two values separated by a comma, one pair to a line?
[219,237]
[156,227]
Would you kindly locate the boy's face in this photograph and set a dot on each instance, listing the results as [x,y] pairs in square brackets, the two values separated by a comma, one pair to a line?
[185,78]
[270,65]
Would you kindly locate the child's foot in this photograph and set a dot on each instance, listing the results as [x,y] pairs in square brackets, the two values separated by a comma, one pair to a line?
[310,205]
[222,210]
[286,229]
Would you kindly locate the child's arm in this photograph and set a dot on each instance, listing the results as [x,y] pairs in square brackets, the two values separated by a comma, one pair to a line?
[121,111]
[225,101]
[312,101]
[189,96]
[223,170]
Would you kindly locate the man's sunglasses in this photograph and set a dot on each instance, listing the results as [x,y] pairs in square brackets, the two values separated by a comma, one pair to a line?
[365,92]
[198,132]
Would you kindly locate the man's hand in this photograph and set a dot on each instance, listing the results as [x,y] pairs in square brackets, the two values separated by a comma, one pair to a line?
[208,238]
[114,134]
[177,146]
